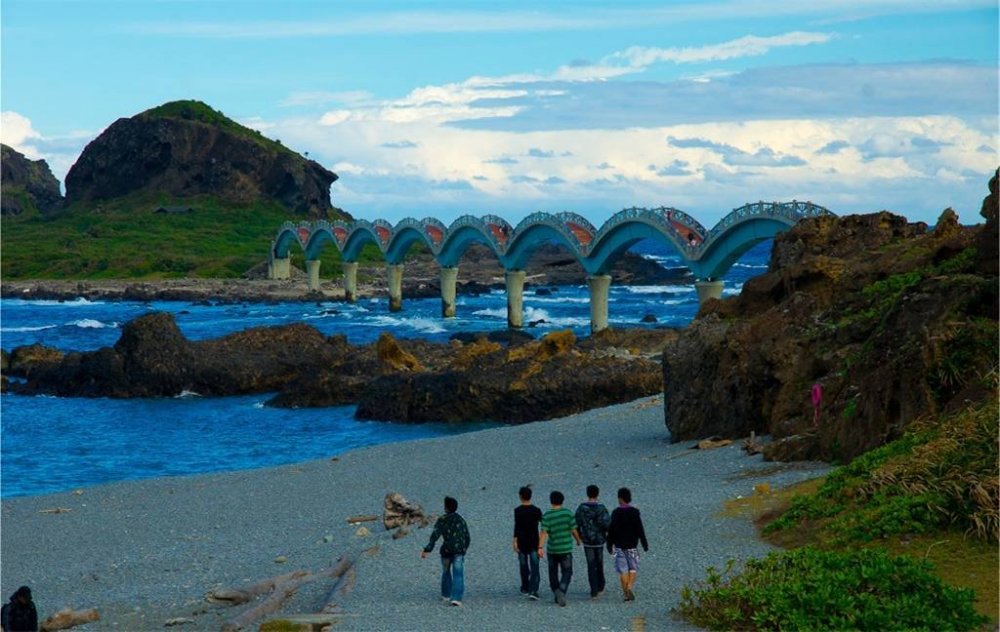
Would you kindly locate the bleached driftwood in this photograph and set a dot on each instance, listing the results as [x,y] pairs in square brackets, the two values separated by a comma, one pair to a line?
[400,512]
[236,596]
[279,590]
[68,618]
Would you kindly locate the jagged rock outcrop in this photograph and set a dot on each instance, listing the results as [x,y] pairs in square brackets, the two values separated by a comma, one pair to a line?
[154,359]
[538,380]
[185,149]
[394,380]
[27,184]
[891,320]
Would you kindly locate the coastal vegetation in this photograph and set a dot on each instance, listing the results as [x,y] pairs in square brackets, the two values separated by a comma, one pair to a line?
[125,238]
[880,542]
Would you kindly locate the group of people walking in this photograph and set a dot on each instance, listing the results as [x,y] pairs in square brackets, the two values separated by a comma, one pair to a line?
[551,535]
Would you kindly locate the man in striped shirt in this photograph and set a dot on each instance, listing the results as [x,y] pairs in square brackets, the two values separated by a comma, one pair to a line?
[559,532]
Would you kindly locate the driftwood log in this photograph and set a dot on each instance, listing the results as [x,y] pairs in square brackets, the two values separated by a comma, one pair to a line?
[280,588]
[68,618]
[400,512]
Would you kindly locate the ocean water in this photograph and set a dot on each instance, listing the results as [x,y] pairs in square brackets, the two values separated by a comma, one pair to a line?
[50,444]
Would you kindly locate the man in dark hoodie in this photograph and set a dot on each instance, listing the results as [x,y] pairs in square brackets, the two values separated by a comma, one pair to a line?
[454,534]
[592,521]
[19,615]
[624,535]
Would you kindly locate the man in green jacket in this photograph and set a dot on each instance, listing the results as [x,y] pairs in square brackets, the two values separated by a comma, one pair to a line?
[454,534]
[559,532]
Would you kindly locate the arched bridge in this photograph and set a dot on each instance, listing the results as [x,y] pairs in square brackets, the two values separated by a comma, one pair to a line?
[709,253]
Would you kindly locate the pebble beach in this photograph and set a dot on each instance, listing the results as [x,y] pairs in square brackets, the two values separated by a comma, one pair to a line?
[145,553]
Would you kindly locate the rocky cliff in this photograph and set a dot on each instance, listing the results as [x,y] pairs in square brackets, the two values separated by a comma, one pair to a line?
[890,319]
[186,149]
[27,184]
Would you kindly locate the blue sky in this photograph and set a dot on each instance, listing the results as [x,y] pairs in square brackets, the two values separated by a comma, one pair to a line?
[442,109]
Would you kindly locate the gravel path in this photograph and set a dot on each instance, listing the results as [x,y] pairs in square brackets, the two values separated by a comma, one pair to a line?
[146,552]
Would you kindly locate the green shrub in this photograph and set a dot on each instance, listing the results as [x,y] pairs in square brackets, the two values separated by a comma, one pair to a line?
[941,473]
[810,589]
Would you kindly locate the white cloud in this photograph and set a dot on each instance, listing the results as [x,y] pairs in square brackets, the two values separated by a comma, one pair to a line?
[16,131]
[747,46]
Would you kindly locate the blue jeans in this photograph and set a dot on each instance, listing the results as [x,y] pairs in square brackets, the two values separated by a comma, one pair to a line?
[560,562]
[453,577]
[529,571]
[595,568]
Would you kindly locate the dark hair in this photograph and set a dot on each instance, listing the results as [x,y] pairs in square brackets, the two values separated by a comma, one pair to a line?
[23,591]
[556,498]
[524,493]
[625,494]
[450,504]
[593,491]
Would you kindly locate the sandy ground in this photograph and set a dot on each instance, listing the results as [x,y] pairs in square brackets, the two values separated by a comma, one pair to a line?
[146,552]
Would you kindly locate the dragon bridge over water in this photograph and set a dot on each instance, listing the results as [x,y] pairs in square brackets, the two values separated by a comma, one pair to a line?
[708,253]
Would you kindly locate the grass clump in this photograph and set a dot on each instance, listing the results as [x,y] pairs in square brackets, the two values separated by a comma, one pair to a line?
[191,110]
[810,589]
[941,474]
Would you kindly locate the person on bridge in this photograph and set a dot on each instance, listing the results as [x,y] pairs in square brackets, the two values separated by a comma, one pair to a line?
[454,534]
[559,531]
[624,535]
[526,519]
[592,520]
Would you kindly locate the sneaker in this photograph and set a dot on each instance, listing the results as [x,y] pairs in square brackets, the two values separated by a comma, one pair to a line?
[456,602]
[524,591]
[561,598]
[445,599]
[533,596]
[629,595]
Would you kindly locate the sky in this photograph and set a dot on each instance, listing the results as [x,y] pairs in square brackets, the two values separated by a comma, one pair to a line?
[444,108]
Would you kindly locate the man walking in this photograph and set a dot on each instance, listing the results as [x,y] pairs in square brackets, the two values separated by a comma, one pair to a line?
[559,532]
[592,521]
[624,535]
[526,519]
[454,534]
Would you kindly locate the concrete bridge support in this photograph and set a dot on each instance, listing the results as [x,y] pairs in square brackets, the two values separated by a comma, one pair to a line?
[515,298]
[708,289]
[599,284]
[449,279]
[280,268]
[350,281]
[312,267]
[395,275]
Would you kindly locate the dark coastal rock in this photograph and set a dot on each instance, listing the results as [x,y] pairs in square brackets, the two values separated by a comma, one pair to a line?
[648,318]
[539,380]
[186,149]
[27,184]
[502,336]
[153,359]
[27,360]
[893,321]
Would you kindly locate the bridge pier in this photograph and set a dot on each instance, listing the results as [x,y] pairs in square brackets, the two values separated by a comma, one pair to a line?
[599,284]
[279,268]
[449,279]
[708,289]
[395,275]
[515,298]
[350,281]
[312,267]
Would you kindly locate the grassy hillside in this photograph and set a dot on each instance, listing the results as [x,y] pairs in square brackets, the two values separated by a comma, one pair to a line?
[910,528]
[125,238]
[197,111]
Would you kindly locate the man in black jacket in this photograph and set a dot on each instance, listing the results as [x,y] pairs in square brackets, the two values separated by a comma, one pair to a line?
[19,615]
[624,535]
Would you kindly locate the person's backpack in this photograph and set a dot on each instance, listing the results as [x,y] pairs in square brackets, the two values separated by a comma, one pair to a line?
[4,613]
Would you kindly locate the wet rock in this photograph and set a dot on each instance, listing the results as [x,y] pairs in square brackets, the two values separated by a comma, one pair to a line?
[543,291]
[648,318]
